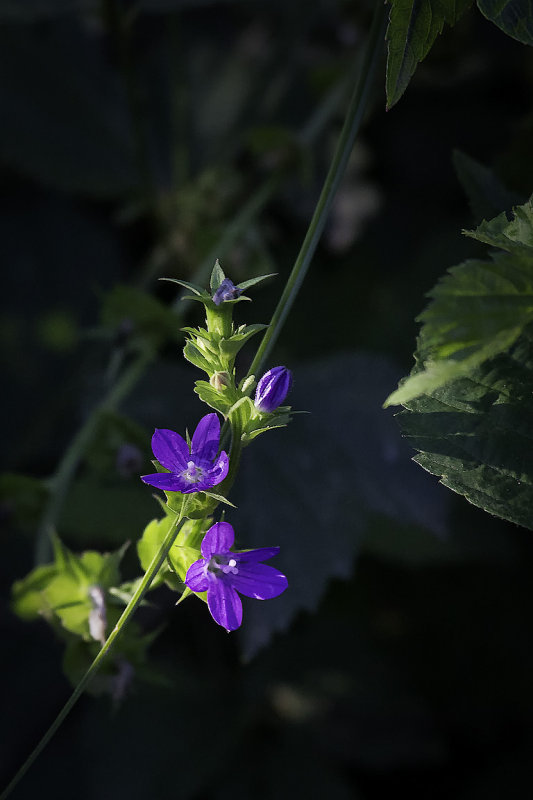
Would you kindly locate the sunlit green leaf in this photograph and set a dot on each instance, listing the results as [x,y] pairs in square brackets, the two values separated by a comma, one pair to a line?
[478,308]
[476,433]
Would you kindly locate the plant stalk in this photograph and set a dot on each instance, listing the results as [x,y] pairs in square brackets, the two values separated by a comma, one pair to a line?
[352,123]
[141,590]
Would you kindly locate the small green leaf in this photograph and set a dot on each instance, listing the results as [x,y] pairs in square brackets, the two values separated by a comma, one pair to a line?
[253,281]
[513,17]
[217,276]
[192,287]
[220,499]
[221,401]
[193,354]
[413,28]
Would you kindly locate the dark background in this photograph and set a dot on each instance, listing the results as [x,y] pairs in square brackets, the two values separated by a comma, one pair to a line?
[131,136]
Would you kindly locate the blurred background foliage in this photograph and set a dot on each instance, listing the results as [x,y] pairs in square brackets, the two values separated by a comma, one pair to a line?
[142,139]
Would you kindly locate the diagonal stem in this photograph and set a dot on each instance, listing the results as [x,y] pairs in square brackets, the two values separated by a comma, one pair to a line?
[141,590]
[352,123]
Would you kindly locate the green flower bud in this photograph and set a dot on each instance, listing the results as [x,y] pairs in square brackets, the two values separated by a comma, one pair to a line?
[220,380]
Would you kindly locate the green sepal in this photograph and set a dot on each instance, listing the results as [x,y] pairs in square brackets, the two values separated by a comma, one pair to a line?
[252,281]
[198,504]
[261,423]
[220,499]
[186,593]
[217,276]
[192,287]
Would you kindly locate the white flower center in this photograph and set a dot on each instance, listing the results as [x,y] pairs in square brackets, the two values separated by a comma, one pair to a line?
[222,563]
[193,473]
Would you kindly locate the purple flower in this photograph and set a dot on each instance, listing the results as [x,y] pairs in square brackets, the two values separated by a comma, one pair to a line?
[223,573]
[272,389]
[226,291]
[190,471]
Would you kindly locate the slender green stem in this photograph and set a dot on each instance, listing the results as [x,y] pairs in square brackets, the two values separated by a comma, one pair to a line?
[141,590]
[349,131]
[72,457]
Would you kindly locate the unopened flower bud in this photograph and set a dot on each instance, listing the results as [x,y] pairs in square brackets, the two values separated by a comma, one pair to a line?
[220,380]
[272,389]
[226,291]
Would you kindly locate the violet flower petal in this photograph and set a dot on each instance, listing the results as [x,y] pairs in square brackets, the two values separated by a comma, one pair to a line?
[226,291]
[259,581]
[217,472]
[261,554]
[224,604]
[218,539]
[168,481]
[196,579]
[206,438]
[170,449]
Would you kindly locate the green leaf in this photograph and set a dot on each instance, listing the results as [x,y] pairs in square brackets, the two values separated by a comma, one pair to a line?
[192,287]
[60,591]
[221,401]
[252,281]
[514,235]
[478,309]
[513,17]
[476,433]
[193,354]
[413,28]
[217,276]
[220,499]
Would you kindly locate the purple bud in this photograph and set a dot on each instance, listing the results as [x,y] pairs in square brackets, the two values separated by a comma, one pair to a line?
[272,389]
[226,291]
